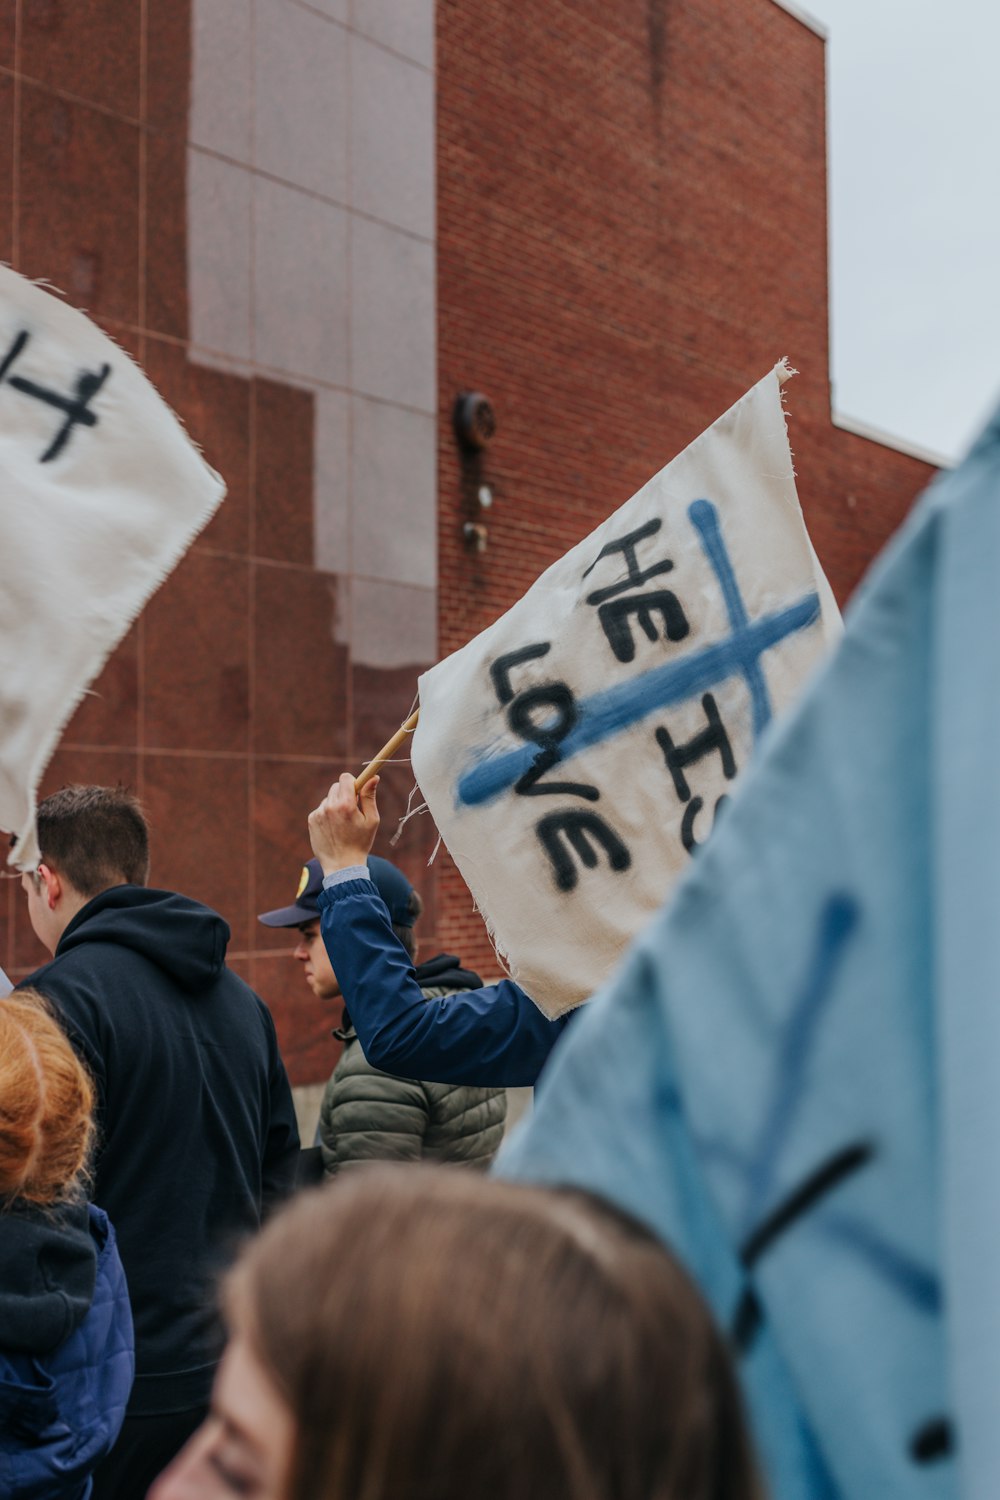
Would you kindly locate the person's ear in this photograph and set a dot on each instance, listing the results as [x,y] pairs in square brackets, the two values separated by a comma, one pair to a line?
[52,884]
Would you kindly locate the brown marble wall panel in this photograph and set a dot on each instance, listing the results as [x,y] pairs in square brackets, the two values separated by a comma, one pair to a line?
[92,766]
[284,794]
[197,668]
[165,279]
[9,892]
[284,462]
[286,791]
[79,203]
[8,28]
[26,952]
[215,408]
[6,167]
[382,698]
[301,669]
[199,817]
[393,638]
[168,65]
[109,714]
[302,1022]
[127,338]
[89,48]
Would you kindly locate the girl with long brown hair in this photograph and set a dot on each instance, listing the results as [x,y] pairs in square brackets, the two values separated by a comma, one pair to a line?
[418,1333]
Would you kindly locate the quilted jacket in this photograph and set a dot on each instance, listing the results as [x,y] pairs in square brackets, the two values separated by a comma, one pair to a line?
[66,1350]
[368,1115]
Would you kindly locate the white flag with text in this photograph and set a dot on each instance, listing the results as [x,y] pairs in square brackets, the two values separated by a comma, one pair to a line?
[576,753]
[101,493]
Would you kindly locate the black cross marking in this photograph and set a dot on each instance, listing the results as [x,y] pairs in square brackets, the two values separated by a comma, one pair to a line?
[748,1316]
[932,1442]
[75,407]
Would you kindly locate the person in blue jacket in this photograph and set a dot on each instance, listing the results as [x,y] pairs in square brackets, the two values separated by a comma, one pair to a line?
[66,1345]
[490,1036]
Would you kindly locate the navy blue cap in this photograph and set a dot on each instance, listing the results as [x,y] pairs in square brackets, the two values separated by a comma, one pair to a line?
[391,883]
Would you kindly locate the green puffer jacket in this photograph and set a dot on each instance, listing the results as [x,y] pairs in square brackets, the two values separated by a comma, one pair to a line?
[370,1116]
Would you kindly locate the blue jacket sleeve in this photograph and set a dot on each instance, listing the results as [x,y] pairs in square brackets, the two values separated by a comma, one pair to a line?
[492,1037]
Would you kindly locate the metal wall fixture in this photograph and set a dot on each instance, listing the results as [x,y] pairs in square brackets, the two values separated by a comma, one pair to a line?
[476,535]
[475,420]
[475,425]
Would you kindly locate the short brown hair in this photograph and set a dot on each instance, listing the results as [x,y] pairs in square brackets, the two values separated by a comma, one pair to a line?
[46,1104]
[95,836]
[438,1334]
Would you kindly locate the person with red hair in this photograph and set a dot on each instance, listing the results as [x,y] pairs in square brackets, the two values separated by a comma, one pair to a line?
[66,1348]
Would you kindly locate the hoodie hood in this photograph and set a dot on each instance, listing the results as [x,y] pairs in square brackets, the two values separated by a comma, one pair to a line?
[48,1266]
[61,1412]
[183,938]
[446,972]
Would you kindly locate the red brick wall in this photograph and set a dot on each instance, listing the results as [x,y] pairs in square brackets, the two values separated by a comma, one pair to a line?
[632,228]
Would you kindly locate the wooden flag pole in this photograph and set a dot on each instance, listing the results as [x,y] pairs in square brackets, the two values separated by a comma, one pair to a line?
[387,751]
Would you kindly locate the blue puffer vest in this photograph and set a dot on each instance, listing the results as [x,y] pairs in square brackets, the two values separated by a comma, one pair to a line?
[61,1408]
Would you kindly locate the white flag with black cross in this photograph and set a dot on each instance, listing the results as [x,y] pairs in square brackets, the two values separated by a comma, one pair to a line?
[576,753]
[101,493]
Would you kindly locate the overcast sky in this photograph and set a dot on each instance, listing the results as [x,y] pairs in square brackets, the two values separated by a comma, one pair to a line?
[914,140]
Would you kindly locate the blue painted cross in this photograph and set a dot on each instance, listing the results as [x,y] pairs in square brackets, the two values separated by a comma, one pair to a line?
[613,710]
[767,1213]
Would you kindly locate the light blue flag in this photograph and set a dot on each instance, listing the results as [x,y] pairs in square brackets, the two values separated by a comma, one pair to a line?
[794,1077]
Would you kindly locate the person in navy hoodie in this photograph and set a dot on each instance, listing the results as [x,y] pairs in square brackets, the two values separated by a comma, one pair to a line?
[194,1111]
[66,1348]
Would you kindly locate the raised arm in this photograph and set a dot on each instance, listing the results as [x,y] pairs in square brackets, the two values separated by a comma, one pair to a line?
[493,1036]
[343,828]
